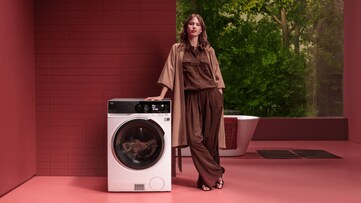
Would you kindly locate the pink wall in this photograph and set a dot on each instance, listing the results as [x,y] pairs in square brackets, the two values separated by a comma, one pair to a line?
[352,68]
[322,128]
[86,53]
[17,92]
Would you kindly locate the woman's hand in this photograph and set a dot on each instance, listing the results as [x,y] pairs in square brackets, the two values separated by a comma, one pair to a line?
[158,98]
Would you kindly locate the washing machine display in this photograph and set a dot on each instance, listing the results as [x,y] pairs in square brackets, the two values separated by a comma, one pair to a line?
[139,145]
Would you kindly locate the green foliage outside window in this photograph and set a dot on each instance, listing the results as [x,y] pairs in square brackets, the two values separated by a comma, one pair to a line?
[278,57]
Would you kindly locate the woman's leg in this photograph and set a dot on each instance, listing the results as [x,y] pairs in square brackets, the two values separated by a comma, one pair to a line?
[203,110]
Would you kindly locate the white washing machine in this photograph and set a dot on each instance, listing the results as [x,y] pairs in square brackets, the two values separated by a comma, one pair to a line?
[139,145]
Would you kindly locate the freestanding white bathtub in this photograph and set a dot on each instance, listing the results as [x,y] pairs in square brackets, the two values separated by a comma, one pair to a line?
[245,129]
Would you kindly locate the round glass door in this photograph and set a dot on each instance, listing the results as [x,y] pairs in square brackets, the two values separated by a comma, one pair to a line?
[139,143]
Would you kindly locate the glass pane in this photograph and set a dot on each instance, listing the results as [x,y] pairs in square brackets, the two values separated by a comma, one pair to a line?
[139,144]
[278,58]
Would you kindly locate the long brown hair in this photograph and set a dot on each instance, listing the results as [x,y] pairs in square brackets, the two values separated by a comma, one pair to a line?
[202,39]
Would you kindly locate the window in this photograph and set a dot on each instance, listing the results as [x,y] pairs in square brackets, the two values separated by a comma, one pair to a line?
[278,58]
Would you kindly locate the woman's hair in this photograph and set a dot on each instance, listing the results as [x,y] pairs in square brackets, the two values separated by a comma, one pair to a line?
[202,39]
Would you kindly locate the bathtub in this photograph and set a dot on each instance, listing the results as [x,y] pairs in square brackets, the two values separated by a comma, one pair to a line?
[245,129]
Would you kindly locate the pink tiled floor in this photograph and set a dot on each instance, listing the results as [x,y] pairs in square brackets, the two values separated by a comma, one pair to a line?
[248,179]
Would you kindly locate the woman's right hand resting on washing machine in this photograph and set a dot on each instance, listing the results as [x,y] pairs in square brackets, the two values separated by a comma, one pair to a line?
[160,97]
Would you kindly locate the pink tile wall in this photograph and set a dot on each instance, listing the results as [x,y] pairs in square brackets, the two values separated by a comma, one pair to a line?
[89,51]
[17,93]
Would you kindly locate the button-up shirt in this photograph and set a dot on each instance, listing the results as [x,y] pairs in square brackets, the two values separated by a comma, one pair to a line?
[197,73]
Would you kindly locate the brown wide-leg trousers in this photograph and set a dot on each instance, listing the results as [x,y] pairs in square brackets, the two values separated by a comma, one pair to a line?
[203,116]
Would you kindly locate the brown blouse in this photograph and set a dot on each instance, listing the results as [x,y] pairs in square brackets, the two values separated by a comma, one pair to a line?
[196,69]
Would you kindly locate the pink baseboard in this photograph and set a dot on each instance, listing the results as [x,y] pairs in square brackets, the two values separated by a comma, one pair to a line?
[302,129]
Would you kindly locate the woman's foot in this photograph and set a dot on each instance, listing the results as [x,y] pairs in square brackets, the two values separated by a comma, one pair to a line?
[219,183]
[205,188]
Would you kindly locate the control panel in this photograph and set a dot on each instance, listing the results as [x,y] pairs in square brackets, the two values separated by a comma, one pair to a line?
[138,106]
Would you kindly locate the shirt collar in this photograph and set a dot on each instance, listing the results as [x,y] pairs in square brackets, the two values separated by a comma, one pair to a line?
[190,47]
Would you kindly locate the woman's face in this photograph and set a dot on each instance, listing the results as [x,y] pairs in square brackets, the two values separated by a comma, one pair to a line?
[194,27]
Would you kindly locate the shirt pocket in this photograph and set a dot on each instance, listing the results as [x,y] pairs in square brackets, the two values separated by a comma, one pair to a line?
[204,60]
[205,67]
[187,65]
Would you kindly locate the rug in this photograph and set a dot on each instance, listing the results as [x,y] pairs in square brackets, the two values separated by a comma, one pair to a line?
[278,154]
[315,154]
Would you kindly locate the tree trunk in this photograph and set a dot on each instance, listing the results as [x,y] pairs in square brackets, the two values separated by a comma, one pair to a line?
[297,39]
[284,28]
[314,76]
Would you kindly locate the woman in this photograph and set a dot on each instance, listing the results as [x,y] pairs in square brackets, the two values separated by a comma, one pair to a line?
[192,72]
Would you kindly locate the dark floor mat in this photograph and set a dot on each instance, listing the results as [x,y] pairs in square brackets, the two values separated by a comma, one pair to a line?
[315,154]
[277,154]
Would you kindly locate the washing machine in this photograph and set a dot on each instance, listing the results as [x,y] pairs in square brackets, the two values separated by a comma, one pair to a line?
[139,145]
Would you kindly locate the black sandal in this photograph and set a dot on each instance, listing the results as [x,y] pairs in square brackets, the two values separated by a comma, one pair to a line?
[219,183]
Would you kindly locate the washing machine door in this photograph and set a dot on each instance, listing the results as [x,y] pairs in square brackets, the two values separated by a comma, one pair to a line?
[138,143]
